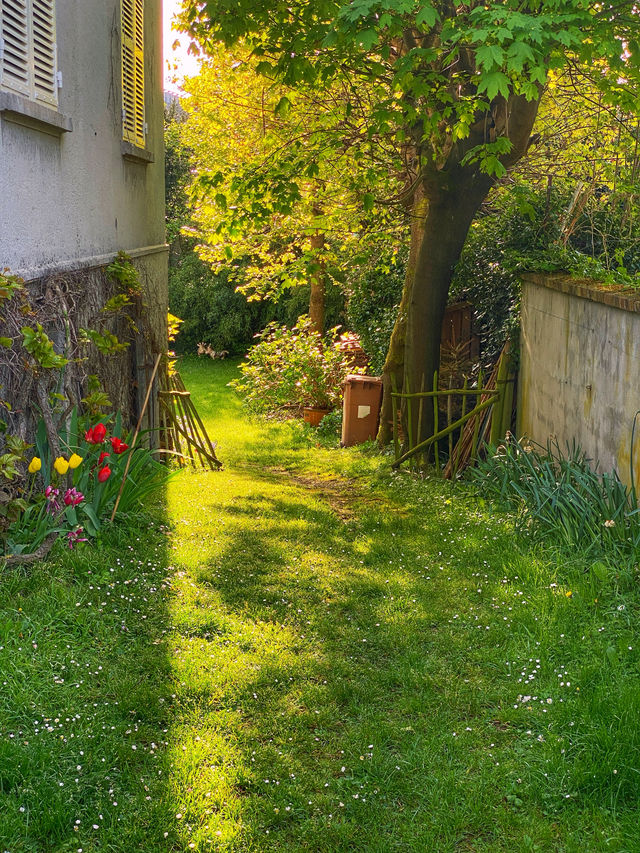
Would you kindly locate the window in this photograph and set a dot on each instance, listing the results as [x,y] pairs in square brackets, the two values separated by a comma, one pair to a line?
[28,49]
[133,119]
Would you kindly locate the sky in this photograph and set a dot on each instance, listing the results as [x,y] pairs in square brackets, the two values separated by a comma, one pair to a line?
[185,64]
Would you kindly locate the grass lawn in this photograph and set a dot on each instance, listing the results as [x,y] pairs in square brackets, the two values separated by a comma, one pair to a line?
[305,652]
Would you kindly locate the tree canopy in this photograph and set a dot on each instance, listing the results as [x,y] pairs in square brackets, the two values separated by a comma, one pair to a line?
[456,85]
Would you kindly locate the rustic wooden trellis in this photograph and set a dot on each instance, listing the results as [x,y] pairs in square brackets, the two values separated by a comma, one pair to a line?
[182,431]
[490,418]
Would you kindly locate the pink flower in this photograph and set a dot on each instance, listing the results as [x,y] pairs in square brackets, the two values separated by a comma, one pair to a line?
[72,497]
[74,536]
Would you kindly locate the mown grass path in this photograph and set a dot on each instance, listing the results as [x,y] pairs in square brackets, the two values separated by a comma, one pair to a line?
[310,654]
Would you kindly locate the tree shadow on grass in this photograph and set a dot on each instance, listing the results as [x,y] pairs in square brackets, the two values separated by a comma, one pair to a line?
[328,684]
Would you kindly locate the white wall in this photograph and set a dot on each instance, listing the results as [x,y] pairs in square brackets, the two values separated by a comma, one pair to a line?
[73,199]
[580,368]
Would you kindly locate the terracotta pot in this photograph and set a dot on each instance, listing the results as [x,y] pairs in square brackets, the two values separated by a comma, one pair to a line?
[312,415]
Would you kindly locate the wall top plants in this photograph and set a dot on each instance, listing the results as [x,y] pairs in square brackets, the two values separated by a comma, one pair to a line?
[614,295]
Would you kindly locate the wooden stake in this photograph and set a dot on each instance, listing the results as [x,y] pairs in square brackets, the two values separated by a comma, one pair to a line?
[135,435]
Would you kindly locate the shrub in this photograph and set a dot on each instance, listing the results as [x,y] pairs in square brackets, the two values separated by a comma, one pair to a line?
[209,306]
[290,368]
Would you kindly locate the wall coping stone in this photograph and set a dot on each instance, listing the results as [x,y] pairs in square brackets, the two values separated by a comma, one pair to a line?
[615,295]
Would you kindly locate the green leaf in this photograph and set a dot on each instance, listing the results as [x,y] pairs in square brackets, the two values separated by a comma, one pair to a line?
[495,83]
[283,107]
[368,38]
[518,55]
[93,525]
[368,202]
[489,56]
[427,16]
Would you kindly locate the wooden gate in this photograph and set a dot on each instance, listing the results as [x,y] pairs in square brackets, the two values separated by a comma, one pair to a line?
[489,417]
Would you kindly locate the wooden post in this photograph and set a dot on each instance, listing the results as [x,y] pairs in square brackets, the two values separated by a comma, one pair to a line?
[135,435]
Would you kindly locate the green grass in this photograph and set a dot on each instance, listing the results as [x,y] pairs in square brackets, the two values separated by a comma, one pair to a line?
[311,653]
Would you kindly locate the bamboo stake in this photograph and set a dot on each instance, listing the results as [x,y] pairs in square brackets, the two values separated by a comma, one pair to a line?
[177,426]
[463,453]
[198,439]
[420,407]
[186,426]
[409,424]
[476,424]
[458,448]
[469,392]
[168,436]
[214,459]
[496,418]
[135,435]
[443,433]
[449,412]
[435,421]
[394,416]
[193,427]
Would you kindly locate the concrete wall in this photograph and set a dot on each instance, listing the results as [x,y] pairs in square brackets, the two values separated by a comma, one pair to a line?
[71,198]
[580,368]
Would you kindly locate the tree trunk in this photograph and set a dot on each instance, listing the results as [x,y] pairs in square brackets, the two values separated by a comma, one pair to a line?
[317,282]
[393,370]
[453,194]
[454,199]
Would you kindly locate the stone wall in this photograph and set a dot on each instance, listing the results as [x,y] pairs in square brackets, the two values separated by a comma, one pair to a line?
[580,368]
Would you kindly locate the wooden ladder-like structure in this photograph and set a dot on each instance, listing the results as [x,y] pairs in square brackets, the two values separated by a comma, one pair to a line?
[182,431]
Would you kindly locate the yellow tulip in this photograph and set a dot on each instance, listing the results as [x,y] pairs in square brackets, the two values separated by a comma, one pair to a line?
[61,465]
[35,465]
[74,460]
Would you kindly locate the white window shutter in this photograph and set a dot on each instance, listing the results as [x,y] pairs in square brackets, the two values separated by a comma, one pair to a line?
[15,61]
[44,51]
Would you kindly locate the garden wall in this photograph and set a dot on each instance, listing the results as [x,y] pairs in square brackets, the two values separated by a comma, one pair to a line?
[580,368]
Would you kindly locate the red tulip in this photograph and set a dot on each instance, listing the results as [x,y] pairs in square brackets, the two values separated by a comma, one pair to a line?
[103,456]
[117,445]
[104,474]
[96,434]
[99,433]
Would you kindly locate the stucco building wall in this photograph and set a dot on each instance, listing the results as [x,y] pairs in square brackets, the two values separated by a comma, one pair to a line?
[580,368]
[72,193]
[72,197]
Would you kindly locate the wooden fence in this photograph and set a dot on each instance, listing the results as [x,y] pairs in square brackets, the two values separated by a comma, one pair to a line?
[489,417]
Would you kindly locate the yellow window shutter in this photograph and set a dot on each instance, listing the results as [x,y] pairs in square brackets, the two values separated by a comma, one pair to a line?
[45,86]
[133,113]
[14,47]
[139,53]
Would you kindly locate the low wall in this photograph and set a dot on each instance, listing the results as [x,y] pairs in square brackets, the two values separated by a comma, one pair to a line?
[71,299]
[580,368]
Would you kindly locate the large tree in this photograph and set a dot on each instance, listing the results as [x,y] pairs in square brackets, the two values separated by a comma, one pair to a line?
[457,83]
[278,190]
